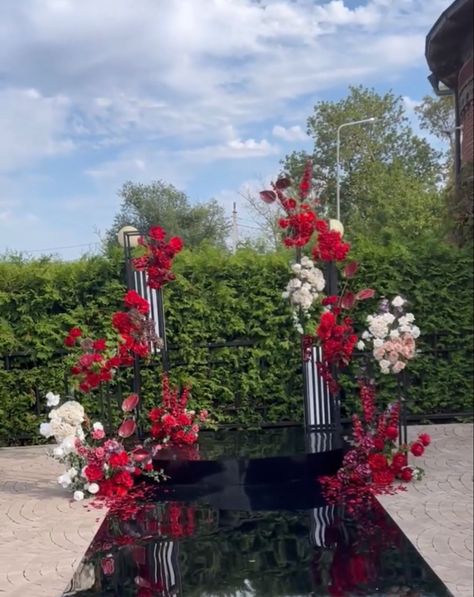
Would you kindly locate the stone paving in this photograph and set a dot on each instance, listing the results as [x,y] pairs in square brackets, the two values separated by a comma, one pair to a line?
[436,514]
[43,535]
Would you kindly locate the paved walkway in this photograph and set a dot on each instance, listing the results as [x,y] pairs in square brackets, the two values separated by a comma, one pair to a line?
[43,536]
[436,513]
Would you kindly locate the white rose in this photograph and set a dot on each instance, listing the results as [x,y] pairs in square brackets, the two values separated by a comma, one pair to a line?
[46,430]
[360,345]
[394,334]
[93,488]
[64,480]
[296,268]
[366,335]
[405,328]
[98,426]
[415,331]
[52,399]
[403,320]
[378,343]
[388,318]
[285,294]
[410,317]
[78,496]
[306,262]
[398,301]
[384,366]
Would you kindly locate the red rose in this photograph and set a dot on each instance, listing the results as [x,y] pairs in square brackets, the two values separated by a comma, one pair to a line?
[175,244]
[379,444]
[425,439]
[417,449]
[384,478]
[108,565]
[123,478]
[118,459]
[69,341]
[93,473]
[399,460]
[99,344]
[378,462]
[391,433]
[75,332]
[406,475]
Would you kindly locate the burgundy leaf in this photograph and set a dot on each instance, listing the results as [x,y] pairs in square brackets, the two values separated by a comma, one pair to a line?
[268,196]
[366,293]
[130,403]
[350,269]
[127,428]
[348,300]
[140,454]
[283,183]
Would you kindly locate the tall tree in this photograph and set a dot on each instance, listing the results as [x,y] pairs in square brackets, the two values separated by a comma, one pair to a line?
[159,203]
[387,147]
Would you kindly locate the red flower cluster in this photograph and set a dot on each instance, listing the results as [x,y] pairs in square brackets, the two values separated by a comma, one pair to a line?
[171,422]
[329,246]
[337,342]
[158,258]
[375,461]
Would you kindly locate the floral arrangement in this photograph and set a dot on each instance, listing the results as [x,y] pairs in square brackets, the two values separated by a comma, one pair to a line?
[158,258]
[98,464]
[95,465]
[172,423]
[303,290]
[391,335]
[375,460]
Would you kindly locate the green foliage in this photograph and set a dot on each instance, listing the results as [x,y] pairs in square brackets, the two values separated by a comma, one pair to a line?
[222,298]
[161,203]
[389,175]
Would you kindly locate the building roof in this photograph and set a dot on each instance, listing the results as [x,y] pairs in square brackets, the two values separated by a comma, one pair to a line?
[448,40]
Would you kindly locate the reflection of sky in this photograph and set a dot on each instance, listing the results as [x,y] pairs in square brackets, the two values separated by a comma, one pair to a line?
[207,100]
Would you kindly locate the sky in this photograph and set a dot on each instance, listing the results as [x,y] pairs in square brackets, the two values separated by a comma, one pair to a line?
[208,95]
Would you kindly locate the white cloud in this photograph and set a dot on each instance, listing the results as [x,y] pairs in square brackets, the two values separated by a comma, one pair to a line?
[31,127]
[291,133]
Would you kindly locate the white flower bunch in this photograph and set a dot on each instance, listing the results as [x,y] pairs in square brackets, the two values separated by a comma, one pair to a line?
[391,335]
[65,425]
[306,285]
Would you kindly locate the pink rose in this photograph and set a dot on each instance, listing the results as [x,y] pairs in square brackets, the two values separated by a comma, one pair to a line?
[379,353]
[98,434]
[398,366]
[393,357]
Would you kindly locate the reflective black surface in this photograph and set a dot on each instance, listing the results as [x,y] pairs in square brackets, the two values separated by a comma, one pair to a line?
[227,459]
[188,550]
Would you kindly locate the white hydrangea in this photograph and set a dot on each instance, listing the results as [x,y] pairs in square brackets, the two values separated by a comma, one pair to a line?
[389,318]
[394,334]
[52,399]
[398,301]
[378,327]
[415,331]
[46,430]
[296,268]
[306,262]
[61,429]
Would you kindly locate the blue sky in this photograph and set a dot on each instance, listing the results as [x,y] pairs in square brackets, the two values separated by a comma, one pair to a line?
[208,95]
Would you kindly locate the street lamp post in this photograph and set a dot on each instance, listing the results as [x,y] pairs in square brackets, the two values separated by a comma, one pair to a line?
[338,145]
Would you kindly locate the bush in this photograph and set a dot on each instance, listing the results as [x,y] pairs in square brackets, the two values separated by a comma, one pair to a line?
[221,298]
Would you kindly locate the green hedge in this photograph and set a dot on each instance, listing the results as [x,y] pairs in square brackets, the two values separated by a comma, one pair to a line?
[218,297]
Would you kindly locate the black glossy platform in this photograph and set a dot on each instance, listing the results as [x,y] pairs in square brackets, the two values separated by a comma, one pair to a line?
[260,470]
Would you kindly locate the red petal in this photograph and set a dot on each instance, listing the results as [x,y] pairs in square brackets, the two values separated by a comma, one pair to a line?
[267,196]
[140,454]
[283,183]
[350,269]
[366,293]
[348,300]
[130,403]
[127,428]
